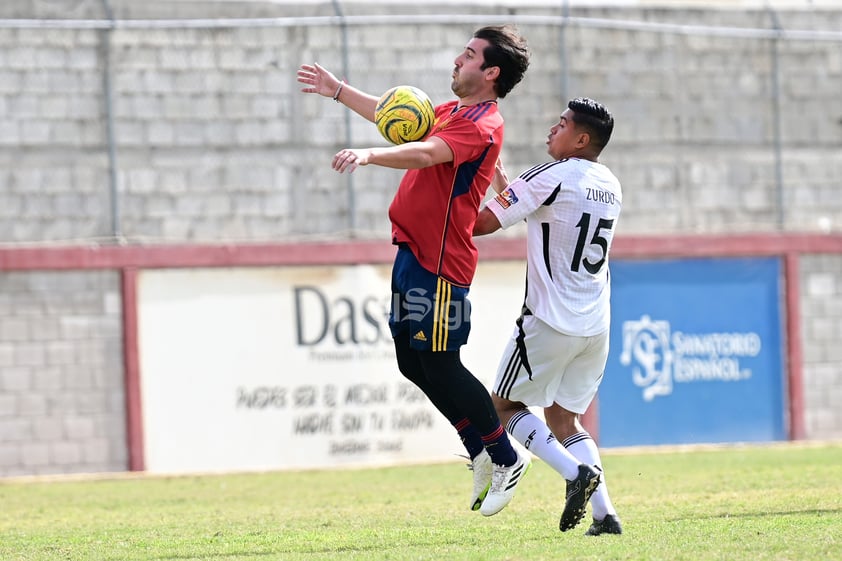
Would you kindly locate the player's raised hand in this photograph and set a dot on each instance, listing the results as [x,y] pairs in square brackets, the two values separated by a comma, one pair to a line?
[317,79]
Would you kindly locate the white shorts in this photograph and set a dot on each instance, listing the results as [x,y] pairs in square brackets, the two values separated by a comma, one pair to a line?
[541,366]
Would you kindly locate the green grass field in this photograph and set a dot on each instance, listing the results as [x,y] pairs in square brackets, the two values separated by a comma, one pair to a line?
[782,502]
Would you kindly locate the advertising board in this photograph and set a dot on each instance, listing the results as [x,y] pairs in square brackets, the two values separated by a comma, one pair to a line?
[293,367]
[696,353]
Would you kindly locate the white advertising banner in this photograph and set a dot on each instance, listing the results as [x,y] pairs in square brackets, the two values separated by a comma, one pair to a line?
[293,367]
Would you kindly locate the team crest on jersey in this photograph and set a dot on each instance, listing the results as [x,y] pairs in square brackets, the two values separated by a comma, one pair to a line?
[506,199]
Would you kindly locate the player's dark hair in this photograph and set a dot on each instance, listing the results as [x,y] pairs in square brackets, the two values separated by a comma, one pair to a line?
[594,118]
[508,51]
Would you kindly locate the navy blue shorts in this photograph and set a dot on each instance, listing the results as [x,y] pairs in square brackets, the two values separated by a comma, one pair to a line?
[436,313]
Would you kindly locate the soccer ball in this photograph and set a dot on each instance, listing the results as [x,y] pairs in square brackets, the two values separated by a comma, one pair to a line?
[404,114]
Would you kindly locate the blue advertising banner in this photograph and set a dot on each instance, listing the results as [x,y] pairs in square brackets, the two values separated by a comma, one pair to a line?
[696,353]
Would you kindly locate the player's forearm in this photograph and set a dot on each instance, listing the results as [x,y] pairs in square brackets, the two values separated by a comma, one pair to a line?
[487,222]
[498,184]
[405,156]
[412,155]
[500,180]
[357,100]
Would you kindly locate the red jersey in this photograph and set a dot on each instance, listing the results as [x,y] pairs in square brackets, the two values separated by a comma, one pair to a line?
[435,208]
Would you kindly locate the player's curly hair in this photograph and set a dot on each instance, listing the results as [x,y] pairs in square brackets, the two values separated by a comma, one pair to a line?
[594,118]
[508,51]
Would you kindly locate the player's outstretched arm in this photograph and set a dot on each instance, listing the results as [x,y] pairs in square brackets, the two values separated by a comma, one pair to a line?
[317,79]
[412,155]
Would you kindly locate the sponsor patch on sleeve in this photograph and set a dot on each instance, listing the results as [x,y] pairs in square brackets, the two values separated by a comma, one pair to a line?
[506,199]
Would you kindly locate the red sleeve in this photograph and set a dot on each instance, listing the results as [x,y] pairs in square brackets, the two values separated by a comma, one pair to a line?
[464,139]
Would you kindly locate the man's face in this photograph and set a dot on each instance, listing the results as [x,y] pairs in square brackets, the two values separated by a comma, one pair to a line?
[565,140]
[468,77]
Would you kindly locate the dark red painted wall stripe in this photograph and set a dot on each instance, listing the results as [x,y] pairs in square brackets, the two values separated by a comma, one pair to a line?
[131,359]
[49,257]
[794,358]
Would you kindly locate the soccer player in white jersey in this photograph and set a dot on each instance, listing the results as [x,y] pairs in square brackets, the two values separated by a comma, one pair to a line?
[557,353]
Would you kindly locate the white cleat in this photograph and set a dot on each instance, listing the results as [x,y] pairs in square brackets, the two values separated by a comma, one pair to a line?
[481,466]
[504,481]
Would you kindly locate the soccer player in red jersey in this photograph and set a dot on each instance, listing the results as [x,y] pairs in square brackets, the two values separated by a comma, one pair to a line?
[433,215]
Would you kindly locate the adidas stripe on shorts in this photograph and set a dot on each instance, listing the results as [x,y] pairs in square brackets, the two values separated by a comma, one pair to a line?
[436,313]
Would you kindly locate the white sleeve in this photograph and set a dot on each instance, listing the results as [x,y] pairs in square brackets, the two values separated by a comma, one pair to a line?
[521,198]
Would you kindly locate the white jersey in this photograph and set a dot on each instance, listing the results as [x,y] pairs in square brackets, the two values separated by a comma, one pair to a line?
[571,207]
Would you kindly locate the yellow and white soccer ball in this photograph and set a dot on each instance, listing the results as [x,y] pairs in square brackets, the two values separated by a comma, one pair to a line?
[404,114]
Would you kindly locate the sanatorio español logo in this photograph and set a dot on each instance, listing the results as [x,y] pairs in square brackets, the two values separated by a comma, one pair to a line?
[660,357]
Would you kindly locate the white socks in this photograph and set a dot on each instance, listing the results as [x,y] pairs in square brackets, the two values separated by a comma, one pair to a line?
[535,435]
[565,457]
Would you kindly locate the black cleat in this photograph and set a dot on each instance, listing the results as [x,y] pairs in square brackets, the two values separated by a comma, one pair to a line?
[608,525]
[579,492]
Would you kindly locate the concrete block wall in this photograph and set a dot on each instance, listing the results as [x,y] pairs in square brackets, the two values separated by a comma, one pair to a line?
[214,143]
[821,304]
[61,378]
